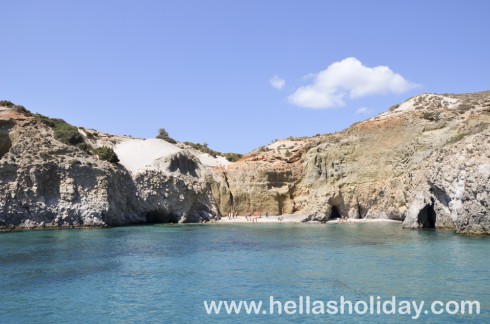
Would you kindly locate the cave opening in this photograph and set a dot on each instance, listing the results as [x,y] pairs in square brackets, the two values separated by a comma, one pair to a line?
[159,217]
[359,211]
[335,213]
[427,216]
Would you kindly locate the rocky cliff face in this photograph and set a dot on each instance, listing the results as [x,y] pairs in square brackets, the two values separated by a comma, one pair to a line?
[45,183]
[425,162]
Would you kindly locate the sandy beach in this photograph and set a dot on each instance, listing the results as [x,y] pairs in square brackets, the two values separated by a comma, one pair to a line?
[294,219]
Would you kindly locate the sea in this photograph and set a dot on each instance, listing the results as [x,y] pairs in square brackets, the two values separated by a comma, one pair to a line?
[300,273]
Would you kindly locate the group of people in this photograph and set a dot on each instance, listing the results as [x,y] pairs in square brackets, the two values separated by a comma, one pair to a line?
[253,217]
[343,219]
[232,214]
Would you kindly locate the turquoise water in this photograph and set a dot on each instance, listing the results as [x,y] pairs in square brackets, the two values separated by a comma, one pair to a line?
[163,273]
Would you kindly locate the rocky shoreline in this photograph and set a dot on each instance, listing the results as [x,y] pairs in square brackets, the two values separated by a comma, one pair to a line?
[287,219]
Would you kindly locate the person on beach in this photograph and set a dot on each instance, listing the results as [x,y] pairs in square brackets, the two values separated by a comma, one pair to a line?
[266,214]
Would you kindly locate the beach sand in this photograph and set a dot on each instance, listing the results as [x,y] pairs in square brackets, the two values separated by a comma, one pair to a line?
[295,219]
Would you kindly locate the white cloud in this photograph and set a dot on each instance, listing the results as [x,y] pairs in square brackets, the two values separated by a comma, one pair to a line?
[350,79]
[277,82]
[363,110]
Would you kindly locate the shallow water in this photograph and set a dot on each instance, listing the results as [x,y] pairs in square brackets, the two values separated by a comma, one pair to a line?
[163,273]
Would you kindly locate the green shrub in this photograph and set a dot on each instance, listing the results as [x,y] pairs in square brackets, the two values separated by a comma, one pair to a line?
[17,108]
[63,132]
[90,135]
[163,135]
[106,154]
[51,122]
[86,147]
[232,157]
[203,148]
[392,108]
[6,103]
[22,110]
[68,134]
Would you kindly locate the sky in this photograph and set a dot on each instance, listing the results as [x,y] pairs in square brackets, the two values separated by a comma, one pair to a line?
[236,74]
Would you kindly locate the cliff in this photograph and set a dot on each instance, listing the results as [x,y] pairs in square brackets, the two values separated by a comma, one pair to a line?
[425,162]
[47,183]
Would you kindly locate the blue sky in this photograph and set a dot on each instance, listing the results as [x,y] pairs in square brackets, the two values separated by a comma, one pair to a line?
[202,69]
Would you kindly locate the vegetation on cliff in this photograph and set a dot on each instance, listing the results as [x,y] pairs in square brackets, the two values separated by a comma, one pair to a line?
[232,157]
[106,154]
[65,133]
[17,108]
[163,135]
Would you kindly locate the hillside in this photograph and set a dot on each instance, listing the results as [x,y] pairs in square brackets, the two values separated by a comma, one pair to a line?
[425,162]
[51,175]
